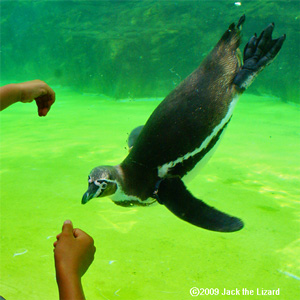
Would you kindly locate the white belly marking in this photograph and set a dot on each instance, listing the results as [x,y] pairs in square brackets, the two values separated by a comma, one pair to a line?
[164,169]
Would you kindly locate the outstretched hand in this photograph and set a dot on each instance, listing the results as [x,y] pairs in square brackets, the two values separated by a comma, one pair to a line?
[28,91]
[74,250]
[73,253]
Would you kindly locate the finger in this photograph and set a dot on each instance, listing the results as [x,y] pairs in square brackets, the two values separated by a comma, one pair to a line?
[78,232]
[43,106]
[43,111]
[47,107]
[67,227]
[40,103]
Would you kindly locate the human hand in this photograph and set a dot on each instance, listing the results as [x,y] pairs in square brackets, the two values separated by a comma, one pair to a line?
[73,251]
[39,91]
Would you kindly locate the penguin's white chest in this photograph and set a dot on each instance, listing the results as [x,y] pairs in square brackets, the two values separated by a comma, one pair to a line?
[120,197]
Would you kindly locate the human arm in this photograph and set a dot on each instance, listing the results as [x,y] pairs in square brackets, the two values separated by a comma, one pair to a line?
[28,91]
[73,253]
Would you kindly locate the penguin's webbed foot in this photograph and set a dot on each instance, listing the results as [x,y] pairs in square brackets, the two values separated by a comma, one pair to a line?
[173,194]
[258,53]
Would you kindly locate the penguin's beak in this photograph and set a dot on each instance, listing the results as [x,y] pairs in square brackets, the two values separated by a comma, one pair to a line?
[90,193]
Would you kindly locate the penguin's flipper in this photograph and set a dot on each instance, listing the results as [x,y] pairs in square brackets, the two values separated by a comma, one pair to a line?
[134,134]
[258,53]
[174,195]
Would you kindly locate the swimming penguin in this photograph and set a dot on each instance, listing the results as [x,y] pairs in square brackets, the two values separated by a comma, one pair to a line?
[184,130]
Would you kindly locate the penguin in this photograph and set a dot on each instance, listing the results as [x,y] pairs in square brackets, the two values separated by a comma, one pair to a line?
[184,130]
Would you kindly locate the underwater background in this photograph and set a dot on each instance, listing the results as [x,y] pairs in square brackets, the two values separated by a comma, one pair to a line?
[110,64]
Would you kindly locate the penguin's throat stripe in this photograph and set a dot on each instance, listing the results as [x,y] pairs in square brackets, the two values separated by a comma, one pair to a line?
[99,191]
[164,169]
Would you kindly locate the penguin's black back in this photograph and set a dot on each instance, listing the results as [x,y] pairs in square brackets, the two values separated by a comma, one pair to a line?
[189,114]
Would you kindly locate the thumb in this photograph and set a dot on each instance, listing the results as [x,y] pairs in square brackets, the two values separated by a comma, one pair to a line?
[67,227]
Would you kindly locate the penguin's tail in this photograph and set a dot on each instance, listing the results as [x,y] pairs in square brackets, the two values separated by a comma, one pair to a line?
[232,36]
[258,53]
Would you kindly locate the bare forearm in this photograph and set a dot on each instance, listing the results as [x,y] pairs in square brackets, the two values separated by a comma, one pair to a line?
[69,287]
[9,94]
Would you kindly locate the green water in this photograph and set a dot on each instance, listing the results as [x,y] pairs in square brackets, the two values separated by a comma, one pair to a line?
[140,49]
[147,253]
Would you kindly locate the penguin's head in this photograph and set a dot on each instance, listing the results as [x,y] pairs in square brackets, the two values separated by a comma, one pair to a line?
[102,183]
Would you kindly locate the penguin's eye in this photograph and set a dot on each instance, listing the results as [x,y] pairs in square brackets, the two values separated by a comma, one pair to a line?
[101,183]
